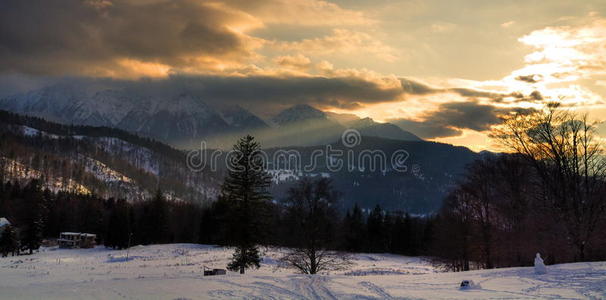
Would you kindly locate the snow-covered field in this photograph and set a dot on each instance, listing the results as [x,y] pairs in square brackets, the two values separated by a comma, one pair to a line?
[175,272]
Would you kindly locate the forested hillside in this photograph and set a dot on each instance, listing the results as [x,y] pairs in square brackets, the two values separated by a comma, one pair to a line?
[104,161]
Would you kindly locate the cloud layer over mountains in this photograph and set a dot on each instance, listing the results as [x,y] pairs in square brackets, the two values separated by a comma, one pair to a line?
[417,63]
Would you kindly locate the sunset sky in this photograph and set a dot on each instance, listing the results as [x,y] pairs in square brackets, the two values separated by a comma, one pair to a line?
[444,70]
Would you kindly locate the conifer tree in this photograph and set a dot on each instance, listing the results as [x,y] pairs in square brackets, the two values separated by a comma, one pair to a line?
[118,231]
[246,190]
[376,230]
[32,216]
[8,241]
[155,220]
[354,230]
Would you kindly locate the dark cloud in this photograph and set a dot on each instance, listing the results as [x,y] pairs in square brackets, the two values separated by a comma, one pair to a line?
[266,94]
[427,129]
[466,115]
[262,94]
[532,78]
[474,93]
[19,83]
[345,92]
[75,37]
[451,118]
[536,95]
[416,88]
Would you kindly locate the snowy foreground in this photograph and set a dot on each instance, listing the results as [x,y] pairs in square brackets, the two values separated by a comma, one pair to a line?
[175,272]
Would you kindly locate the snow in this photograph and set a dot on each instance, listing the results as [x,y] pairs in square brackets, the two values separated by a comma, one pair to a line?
[29,131]
[174,271]
[279,176]
[283,175]
[141,157]
[102,172]
[18,171]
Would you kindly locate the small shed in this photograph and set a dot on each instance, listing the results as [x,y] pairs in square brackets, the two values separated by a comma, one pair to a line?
[76,240]
[213,272]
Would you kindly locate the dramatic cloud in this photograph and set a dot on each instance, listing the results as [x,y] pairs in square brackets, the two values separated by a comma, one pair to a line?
[104,38]
[563,57]
[416,88]
[427,129]
[302,12]
[262,94]
[133,38]
[438,68]
[450,119]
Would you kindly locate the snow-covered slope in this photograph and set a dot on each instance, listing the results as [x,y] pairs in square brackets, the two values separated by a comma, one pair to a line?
[175,272]
[15,170]
[107,162]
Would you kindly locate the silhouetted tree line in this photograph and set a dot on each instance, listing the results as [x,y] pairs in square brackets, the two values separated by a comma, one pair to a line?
[375,231]
[37,214]
[548,196]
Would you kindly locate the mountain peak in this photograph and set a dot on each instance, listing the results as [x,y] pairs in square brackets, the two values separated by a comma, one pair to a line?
[298,113]
[369,127]
[240,118]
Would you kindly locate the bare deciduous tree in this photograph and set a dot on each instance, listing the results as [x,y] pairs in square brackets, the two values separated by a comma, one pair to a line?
[568,158]
[312,217]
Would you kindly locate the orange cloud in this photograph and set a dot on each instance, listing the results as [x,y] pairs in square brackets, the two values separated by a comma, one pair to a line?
[342,42]
[302,12]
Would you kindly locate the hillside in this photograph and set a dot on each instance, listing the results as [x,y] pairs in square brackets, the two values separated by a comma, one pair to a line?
[105,161]
[429,171]
[114,163]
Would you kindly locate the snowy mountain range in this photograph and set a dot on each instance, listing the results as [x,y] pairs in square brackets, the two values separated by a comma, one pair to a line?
[304,125]
[183,119]
[112,162]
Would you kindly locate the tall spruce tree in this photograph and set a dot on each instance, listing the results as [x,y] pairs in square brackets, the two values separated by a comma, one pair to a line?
[8,241]
[155,220]
[375,225]
[118,229]
[246,190]
[354,231]
[32,216]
